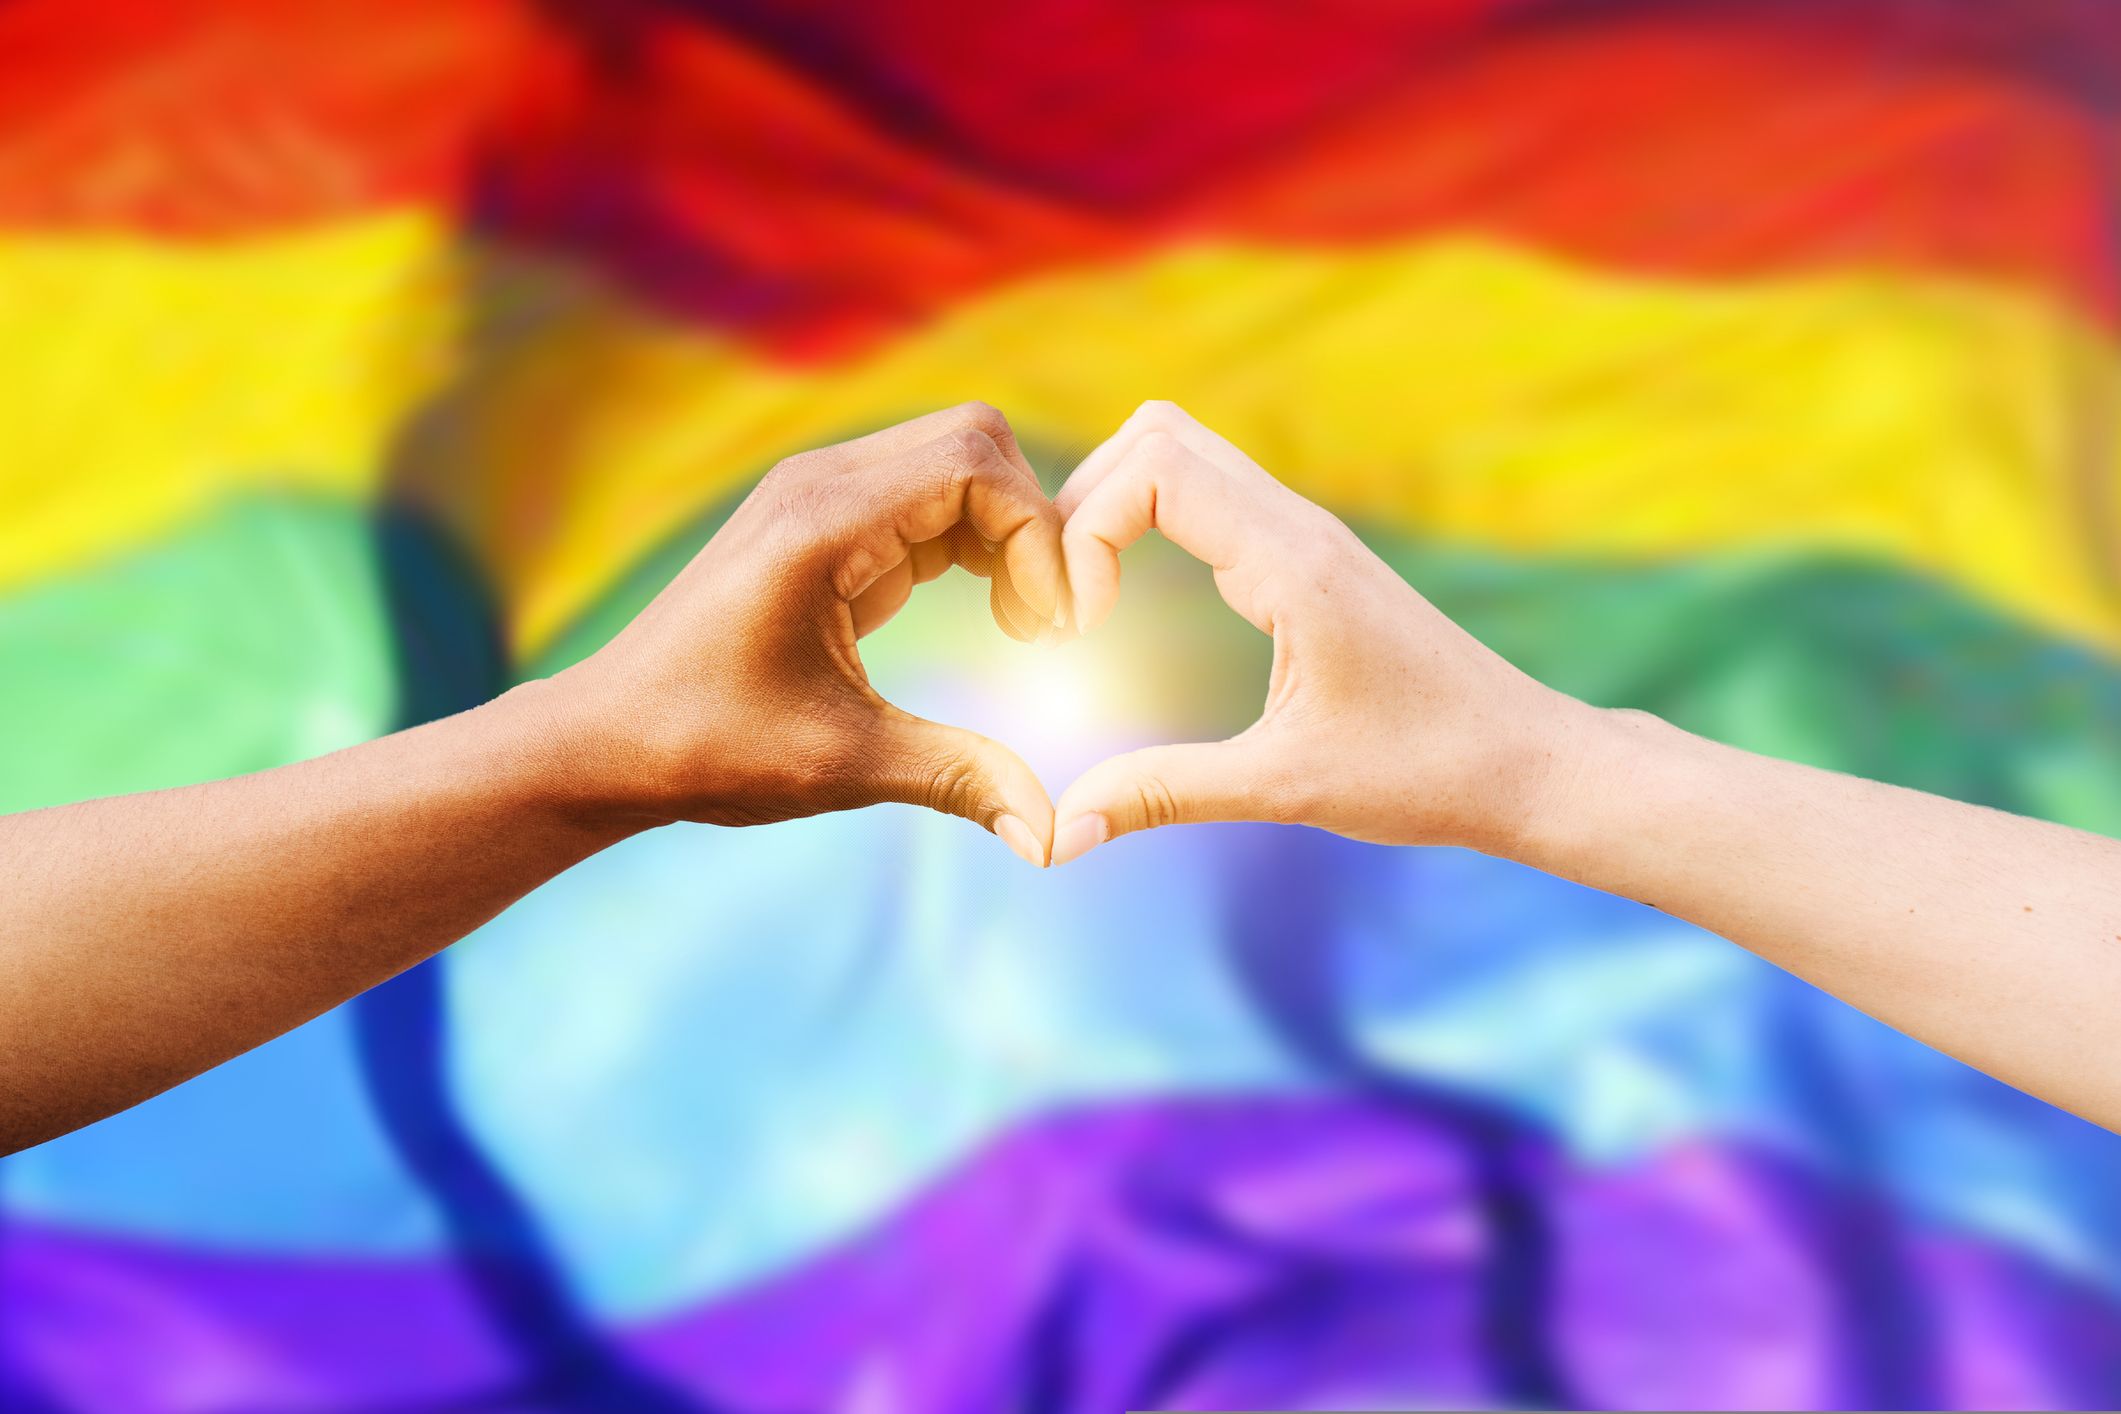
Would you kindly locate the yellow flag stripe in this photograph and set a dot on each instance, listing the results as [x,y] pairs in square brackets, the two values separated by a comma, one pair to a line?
[1458,387]
[142,381]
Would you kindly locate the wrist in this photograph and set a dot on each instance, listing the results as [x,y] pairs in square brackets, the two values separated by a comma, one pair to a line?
[569,760]
[1595,766]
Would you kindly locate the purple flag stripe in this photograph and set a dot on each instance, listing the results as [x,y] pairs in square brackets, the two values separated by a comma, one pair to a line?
[1233,1253]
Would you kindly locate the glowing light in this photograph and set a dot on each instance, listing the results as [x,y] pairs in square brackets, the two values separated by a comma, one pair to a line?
[1061,705]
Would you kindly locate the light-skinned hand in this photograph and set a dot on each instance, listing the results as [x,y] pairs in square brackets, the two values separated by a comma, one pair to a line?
[1384,720]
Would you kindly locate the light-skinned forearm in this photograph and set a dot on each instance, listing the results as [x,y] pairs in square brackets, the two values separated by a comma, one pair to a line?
[148,937]
[1992,937]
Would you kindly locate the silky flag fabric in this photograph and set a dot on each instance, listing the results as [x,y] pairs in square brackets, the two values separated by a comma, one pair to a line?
[1753,362]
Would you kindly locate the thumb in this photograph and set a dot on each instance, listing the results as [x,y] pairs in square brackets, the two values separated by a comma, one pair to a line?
[1161,785]
[960,772]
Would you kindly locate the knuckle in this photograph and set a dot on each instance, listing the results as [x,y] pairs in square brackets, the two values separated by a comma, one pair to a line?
[854,571]
[1156,803]
[983,417]
[813,505]
[1158,447]
[967,448]
[953,786]
[797,466]
[1163,415]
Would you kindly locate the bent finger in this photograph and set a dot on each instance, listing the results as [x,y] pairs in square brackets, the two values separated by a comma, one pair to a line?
[1164,785]
[959,772]
[1230,522]
[1156,415]
[900,438]
[963,486]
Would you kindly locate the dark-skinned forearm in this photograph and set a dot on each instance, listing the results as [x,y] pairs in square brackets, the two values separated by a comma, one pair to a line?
[149,937]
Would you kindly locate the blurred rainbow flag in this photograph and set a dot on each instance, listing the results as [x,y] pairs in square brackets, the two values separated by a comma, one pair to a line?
[1755,362]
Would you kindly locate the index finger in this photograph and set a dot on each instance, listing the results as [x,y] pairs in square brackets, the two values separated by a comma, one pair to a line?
[901,438]
[1227,517]
[1153,416]
[963,476]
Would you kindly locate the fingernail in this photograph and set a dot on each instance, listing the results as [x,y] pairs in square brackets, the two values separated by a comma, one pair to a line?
[1017,835]
[1079,836]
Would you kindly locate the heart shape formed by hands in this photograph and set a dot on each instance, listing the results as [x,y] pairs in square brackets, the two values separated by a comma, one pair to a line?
[739,695]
